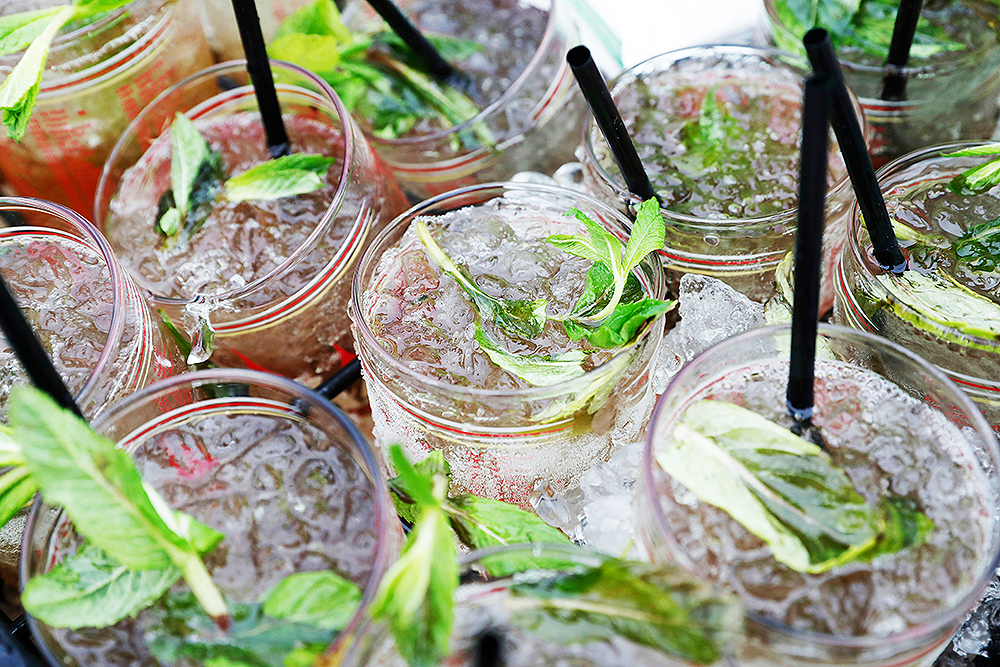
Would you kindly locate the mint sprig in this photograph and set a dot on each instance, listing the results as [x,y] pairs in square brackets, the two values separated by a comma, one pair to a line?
[784,489]
[977,179]
[518,317]
[101,491]
[36,30]
[285,176]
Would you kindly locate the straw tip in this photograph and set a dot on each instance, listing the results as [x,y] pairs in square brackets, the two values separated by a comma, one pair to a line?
[815,36]
[578,56]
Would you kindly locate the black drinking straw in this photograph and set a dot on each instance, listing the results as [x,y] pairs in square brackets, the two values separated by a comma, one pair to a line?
[809,247]
[903,31]
[30,352]
[852,147]
[341,380]
[610,122]
[260,75]
[414,39]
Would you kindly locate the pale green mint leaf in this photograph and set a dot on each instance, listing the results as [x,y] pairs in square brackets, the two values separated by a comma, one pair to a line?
[945,304]
[20,89]
[202,538]
[188,150]
[599,245]
[323,599]
[415,485]
[519,317]
[484,522]
[777,485]
[536,369]
[285,176]
[317,53]
[657,606]
[415,597]
[17,488]
[96,483]
[647,234]
[319,17]
[976,180]
[17,31]
[985,149]
[169,224]
[91,589]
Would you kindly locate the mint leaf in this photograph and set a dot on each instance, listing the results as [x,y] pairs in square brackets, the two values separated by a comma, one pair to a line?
[17,488]
[535,369]
[169,224]
[102,493]
[416,594]
[484,522]
[425,483]
[602,246]
[323,599]
[516,316]
[777,485]
[285,176]
[977,180]
[17,31]
[254,639]
[655,606]
[196,173]
[317,53]
[319,17]
[92,589]
[20,89]
[979,247]
[622,325]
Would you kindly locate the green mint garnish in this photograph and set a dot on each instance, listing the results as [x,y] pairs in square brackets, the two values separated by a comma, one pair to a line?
[709,140]
[101,491]
[659,607]
[862,24]
[17,487]
[285,176]
[416,594]
[35,30]
[604,247]
[375,75]
[536,369]
[518,317]
[197,177]
[651,605]
[92,589]
[784,489]
[979,247]
[978,179]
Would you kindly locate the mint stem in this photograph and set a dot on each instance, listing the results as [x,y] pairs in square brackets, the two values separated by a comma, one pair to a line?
[204,589]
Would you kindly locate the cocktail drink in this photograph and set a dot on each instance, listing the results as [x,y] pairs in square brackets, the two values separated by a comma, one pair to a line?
[529,109]
[718,130]
[268,278]
[280,472]
[98,327]
[900,441]
[945,308]
[509,412]
[952,77]
[98,77]
[504,614]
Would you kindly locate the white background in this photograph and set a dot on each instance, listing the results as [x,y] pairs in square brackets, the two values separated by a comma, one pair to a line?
[650,27]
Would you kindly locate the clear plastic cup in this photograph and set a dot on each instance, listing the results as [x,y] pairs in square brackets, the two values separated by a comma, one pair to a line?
[528,125]
[87,311]
[950,95]
[281,472]
[894,424]
[97,79]
[502,441]
[735,222]
[916,193]
[273,281]
[488,610]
